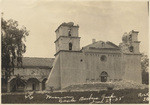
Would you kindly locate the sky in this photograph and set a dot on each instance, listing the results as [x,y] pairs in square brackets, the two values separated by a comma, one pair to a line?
[100,20]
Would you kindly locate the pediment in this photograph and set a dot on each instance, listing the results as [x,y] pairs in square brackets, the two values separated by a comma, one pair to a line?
[102,45]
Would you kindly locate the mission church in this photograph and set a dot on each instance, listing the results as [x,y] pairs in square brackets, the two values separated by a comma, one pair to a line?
[97,62]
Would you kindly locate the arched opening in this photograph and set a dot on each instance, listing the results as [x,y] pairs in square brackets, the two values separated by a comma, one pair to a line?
[43,83]
[32,84]
[69,32]
[17,85]
[130,37]
[103,76]
[131,48]
[70,46]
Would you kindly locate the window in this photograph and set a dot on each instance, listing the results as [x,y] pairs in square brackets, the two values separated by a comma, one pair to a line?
[130,38]
[103,58]
[69,32]
[70,46]
[131,48]
[103,76]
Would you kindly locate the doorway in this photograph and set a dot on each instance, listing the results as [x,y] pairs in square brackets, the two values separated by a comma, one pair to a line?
[33,86]
[103,76]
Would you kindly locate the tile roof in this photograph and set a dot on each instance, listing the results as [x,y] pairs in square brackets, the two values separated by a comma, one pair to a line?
[37,62]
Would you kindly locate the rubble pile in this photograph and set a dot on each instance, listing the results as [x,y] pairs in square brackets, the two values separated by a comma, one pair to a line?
[106,86]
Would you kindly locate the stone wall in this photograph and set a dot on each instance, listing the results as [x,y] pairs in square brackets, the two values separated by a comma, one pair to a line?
[94,66]
[72,68]
[54,76]
[131,66]
[77,67]
[63,31]
[63,43]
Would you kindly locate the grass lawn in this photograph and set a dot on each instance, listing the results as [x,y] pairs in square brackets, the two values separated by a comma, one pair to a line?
[109,96]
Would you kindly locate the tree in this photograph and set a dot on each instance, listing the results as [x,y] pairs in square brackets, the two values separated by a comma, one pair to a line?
[145,69]
[18,82]
[13,37]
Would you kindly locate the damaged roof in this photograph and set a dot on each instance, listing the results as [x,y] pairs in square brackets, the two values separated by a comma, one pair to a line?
[103,45]
[34,62]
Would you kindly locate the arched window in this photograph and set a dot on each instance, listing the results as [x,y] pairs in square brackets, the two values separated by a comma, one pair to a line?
[131,48]
[69,32]
[130,38]
[70,46]
[103,76]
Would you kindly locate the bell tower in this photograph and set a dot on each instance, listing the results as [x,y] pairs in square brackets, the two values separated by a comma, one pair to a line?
[130,43]
[67,37]
[133,42]
[131,57]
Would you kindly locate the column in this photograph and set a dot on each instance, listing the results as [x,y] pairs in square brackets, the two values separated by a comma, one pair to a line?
[8,87]
[40,84]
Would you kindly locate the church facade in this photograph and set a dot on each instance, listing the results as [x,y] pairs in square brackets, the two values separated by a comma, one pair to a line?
[97,62]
